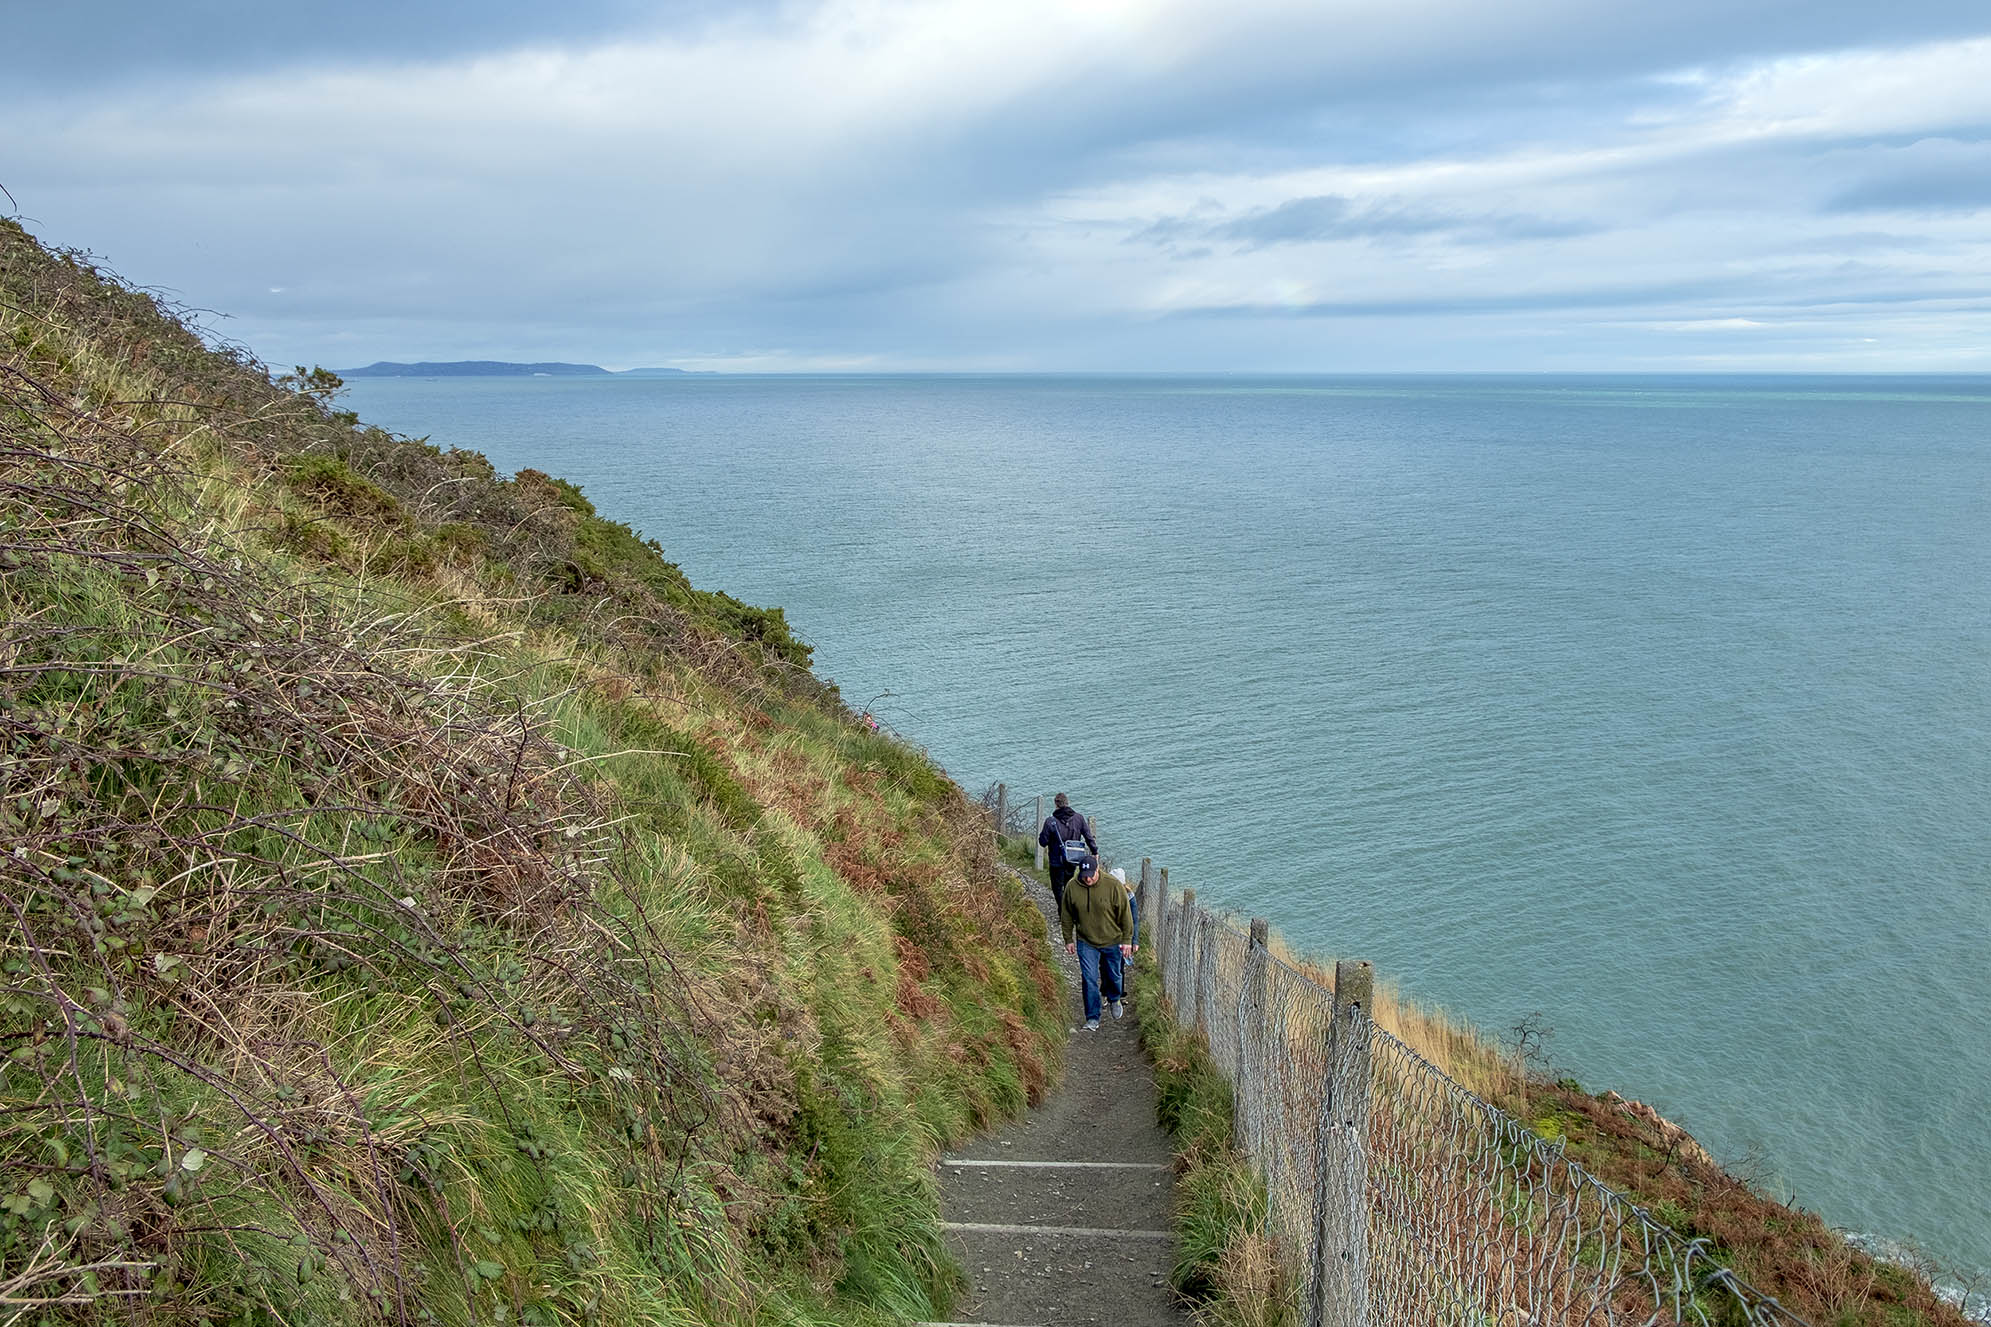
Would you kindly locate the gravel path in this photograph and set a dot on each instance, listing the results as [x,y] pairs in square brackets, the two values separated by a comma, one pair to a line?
[1063,1219]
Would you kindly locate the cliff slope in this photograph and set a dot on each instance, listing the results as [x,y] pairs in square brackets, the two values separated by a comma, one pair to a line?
[418,902]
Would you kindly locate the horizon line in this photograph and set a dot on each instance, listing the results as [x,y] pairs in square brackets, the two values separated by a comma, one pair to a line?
[1191,373]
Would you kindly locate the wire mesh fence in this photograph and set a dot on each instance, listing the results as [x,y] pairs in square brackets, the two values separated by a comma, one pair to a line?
[1470,1211]
[1021,815]
[1399,1197]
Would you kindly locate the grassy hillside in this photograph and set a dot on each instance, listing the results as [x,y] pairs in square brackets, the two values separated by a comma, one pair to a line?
[419,903]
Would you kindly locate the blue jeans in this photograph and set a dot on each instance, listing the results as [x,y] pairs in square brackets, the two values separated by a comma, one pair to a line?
[1134,911]
[1099,973]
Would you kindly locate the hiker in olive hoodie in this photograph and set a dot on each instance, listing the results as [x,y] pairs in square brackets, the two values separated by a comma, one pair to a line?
[1099,929]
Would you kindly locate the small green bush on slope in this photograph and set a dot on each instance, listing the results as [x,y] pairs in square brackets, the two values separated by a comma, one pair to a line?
[420,904]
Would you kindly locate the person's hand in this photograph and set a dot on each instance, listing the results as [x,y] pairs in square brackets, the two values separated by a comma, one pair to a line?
[1126,951]
[1071,948]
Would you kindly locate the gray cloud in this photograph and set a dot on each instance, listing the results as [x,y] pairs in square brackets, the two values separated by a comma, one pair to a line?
[1928,176]
[1657,295]
[1327,217]
[628,182]
[80,45]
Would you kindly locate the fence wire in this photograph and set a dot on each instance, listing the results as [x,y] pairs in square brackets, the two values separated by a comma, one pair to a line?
[1400,1198]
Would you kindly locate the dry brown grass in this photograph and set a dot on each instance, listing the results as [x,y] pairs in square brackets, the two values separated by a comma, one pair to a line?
[1781,1252]
[1256,1284]
[1460,1050]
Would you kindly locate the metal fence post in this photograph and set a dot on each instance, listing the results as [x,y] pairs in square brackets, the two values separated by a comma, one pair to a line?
[1249,1120]
[1002,809]
[1341,1181]
[1040,829]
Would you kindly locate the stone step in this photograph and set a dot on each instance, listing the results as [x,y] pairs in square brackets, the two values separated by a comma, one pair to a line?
[1063,1279]
[1063,1218]
[1108,1198]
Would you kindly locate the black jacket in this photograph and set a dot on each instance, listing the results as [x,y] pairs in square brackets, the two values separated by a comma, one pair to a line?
[1065,823]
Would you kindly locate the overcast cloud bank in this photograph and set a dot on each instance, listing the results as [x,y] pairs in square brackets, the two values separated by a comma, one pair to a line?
[1130,184]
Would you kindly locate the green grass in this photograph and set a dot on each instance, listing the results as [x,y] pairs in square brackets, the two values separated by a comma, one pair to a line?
[1226,1261]
[424,904]
[1019,852]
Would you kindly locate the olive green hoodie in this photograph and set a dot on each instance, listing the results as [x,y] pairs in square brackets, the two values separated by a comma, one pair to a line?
[1098,911]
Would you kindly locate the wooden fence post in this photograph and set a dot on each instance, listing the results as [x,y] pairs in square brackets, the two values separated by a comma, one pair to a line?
[1002,809]
[1185,958]
[1040,826]
[1159,928]
[1341,1192]
[1248,1120]
[1142,897]
[1205,959]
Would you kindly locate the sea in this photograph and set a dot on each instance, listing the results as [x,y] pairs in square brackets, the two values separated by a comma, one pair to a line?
[1653,711]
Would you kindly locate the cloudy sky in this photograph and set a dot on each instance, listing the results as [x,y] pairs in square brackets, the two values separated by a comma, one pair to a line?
[1336,185]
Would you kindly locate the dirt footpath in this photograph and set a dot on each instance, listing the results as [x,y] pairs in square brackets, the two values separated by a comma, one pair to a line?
[1063,1219]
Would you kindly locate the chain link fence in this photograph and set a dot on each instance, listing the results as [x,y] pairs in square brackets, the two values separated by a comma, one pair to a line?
[1401,1198]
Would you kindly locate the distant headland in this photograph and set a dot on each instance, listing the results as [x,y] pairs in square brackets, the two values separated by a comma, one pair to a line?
[494,368]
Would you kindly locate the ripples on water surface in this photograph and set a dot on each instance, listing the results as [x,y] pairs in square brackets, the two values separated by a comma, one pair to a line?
[1661,706]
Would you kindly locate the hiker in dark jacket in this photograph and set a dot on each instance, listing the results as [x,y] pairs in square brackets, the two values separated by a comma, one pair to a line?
[1062,827]
[1100,930]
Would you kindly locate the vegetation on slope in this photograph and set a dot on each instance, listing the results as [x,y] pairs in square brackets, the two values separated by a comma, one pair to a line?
[419,903]
[1227,1263]
[1784,1251]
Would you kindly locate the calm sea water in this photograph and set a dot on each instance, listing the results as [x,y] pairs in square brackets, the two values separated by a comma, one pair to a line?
[1661,706]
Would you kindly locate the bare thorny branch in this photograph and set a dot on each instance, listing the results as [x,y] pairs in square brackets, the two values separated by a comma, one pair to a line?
[218,802]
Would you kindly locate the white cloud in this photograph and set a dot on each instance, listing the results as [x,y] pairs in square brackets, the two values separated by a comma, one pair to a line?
[874,183]
[1713,205]
[1706,325]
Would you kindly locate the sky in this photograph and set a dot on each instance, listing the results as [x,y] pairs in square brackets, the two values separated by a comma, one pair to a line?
[1030,185]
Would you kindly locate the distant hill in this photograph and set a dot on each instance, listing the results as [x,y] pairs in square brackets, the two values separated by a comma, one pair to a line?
[496,368]
[473,368]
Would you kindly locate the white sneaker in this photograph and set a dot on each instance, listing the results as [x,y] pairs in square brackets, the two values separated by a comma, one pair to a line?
[1092,1025]
[1117,1010]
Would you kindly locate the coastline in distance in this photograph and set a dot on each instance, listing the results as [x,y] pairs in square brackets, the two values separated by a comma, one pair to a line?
[494,368]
